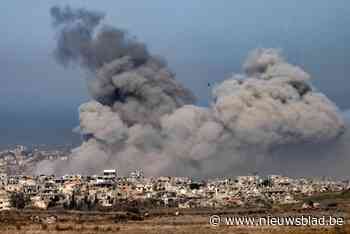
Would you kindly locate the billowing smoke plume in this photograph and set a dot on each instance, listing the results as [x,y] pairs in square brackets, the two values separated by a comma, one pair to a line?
[142,118]
[132,82]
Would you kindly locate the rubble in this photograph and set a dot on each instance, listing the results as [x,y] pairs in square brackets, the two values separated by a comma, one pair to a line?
[22,159]
[108,191]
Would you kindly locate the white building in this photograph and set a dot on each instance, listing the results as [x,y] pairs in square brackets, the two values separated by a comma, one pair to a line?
[110,174]
[5,203]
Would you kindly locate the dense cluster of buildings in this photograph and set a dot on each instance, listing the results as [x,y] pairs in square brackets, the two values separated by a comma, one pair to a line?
[21,159]
[110,191]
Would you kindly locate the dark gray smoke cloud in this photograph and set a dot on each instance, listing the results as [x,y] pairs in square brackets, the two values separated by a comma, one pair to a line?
[143,118]
[77,41]
[128,77]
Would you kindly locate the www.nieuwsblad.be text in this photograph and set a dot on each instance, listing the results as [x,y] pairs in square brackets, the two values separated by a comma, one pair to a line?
[216,220]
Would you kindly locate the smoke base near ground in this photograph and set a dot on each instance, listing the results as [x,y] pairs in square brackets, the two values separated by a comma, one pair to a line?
[270,119]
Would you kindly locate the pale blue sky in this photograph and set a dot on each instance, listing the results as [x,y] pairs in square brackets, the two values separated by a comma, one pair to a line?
[203,41]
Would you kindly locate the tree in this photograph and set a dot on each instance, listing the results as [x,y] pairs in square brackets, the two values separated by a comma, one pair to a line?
[72,204]
[53,202]
[17,200]
[266,183]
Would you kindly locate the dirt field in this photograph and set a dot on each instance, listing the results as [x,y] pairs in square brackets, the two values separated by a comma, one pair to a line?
[161,221]
[193,229]
[171,221]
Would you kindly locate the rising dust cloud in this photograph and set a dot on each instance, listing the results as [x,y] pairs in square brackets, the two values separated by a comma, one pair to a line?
[270,119]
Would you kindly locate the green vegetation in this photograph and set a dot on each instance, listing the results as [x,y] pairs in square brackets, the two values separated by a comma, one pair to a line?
[344,195]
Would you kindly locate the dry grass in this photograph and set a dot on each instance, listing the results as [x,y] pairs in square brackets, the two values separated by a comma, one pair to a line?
[167,229]
[97,223]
